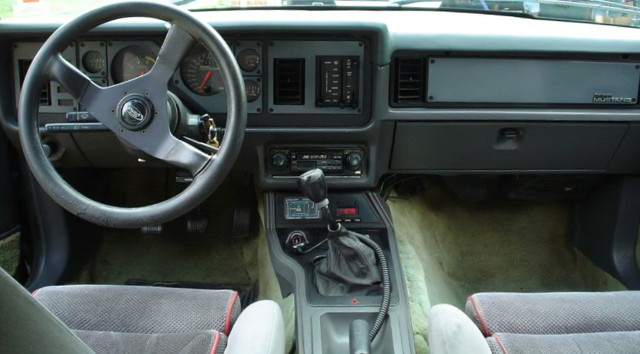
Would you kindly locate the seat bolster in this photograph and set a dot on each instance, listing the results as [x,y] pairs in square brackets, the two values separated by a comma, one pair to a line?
[452,332]
[604,342]
[259,330]
[555,313]
[141,309]
[184,343]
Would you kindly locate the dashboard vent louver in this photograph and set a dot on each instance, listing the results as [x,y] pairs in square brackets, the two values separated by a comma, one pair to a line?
[409,81]
[45,95]
[288,81]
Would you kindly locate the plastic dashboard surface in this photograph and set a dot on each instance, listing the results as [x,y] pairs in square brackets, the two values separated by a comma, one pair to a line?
[375,123]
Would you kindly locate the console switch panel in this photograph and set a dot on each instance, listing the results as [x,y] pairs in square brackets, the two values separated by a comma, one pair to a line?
[337,81]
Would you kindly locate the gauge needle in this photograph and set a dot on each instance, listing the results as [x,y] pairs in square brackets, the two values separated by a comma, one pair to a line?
[206,77]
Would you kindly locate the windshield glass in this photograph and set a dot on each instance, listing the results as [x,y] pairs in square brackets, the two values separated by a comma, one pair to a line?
[612,12]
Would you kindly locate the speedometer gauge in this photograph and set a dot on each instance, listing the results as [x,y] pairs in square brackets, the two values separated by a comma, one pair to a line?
[200,72]
[131,62]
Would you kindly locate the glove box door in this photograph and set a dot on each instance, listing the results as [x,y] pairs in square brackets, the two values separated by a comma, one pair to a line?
[505,146]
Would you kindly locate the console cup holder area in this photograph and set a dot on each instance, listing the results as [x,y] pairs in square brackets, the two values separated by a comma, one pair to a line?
[334,328]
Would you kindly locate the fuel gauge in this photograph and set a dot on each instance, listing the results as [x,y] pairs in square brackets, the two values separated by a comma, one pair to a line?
[253,90]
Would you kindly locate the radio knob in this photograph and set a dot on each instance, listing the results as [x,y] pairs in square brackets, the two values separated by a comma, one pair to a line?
[353,161]
[279,160]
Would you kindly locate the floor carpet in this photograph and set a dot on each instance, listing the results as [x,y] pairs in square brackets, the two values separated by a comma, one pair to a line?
[451,249]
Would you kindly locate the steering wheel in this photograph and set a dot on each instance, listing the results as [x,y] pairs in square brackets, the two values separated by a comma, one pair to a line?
[136,111]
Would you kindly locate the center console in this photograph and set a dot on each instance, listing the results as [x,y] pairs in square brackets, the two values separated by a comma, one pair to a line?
[297,238]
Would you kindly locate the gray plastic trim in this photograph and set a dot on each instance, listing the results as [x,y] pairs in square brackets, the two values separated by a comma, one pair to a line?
[309,324]
[27,51]
[309,50]
[496,80]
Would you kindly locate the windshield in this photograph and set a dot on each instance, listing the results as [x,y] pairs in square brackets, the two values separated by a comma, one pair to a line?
[612,12]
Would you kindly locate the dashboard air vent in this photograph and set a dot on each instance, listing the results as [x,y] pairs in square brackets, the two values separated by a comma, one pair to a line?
[409,81]
[288,83]
[45,95]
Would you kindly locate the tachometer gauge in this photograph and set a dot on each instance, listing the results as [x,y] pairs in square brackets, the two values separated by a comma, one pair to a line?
[200,72]
[252,89]
[93,62]
[131,62]
[248,60]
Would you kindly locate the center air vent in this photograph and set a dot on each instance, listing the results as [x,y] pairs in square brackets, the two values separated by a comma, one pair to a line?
[288,85]
[409,81]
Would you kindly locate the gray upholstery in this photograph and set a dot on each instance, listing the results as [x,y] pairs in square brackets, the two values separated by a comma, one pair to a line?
[555,313]
[138,319]
[139,309]
[605,342]
[545,323]
[190,342]
[127,319]
[28,327]
[451,331]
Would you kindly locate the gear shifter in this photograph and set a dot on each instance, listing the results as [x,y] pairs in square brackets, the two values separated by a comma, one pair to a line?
[350,266]
[313,186]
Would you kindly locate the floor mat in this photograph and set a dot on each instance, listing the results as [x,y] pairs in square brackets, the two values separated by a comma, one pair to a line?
[496,245]
[175,254]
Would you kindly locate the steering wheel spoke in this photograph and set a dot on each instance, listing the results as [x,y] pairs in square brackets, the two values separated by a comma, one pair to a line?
[99,101]
[71,78]
[176,45]
[183,155]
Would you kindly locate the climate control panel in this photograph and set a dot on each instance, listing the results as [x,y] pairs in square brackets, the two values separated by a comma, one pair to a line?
[339,161]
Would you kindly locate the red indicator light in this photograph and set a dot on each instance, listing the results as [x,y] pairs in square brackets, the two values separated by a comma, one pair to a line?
[347,211]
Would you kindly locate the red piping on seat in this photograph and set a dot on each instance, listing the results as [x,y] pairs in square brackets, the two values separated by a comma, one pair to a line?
[232,302]
[504,350]
[214,345]
[35,292]
[483,323]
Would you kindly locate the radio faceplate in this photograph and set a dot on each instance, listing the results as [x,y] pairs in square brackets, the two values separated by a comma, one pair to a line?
[333,161]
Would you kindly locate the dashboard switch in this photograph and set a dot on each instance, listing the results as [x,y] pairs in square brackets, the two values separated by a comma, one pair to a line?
[337,78]
[279,161]
[353,161]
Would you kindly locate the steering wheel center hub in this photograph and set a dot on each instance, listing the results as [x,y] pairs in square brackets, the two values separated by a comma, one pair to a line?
[135,112]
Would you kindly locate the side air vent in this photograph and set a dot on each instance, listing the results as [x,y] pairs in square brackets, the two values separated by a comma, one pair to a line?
[288,85]
[45,94]
[409,81]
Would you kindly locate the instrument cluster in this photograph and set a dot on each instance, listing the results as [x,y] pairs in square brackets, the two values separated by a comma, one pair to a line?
[198,78]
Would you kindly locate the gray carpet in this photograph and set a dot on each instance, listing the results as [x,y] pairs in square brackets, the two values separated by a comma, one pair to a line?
[10,253]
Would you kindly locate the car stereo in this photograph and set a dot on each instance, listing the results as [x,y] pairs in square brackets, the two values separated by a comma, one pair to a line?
[345,162]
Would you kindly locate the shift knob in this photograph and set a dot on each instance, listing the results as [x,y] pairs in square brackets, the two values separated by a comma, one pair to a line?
[313,185]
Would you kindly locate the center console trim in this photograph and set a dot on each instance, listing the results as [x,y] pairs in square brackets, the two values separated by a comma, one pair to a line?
[292,279]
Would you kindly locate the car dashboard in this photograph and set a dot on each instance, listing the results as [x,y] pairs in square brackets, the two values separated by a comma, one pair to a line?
[363,93]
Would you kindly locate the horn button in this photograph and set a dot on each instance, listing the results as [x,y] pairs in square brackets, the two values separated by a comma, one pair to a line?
[135,112]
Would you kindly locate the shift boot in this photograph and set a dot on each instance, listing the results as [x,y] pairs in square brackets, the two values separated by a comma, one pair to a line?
[349,267]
